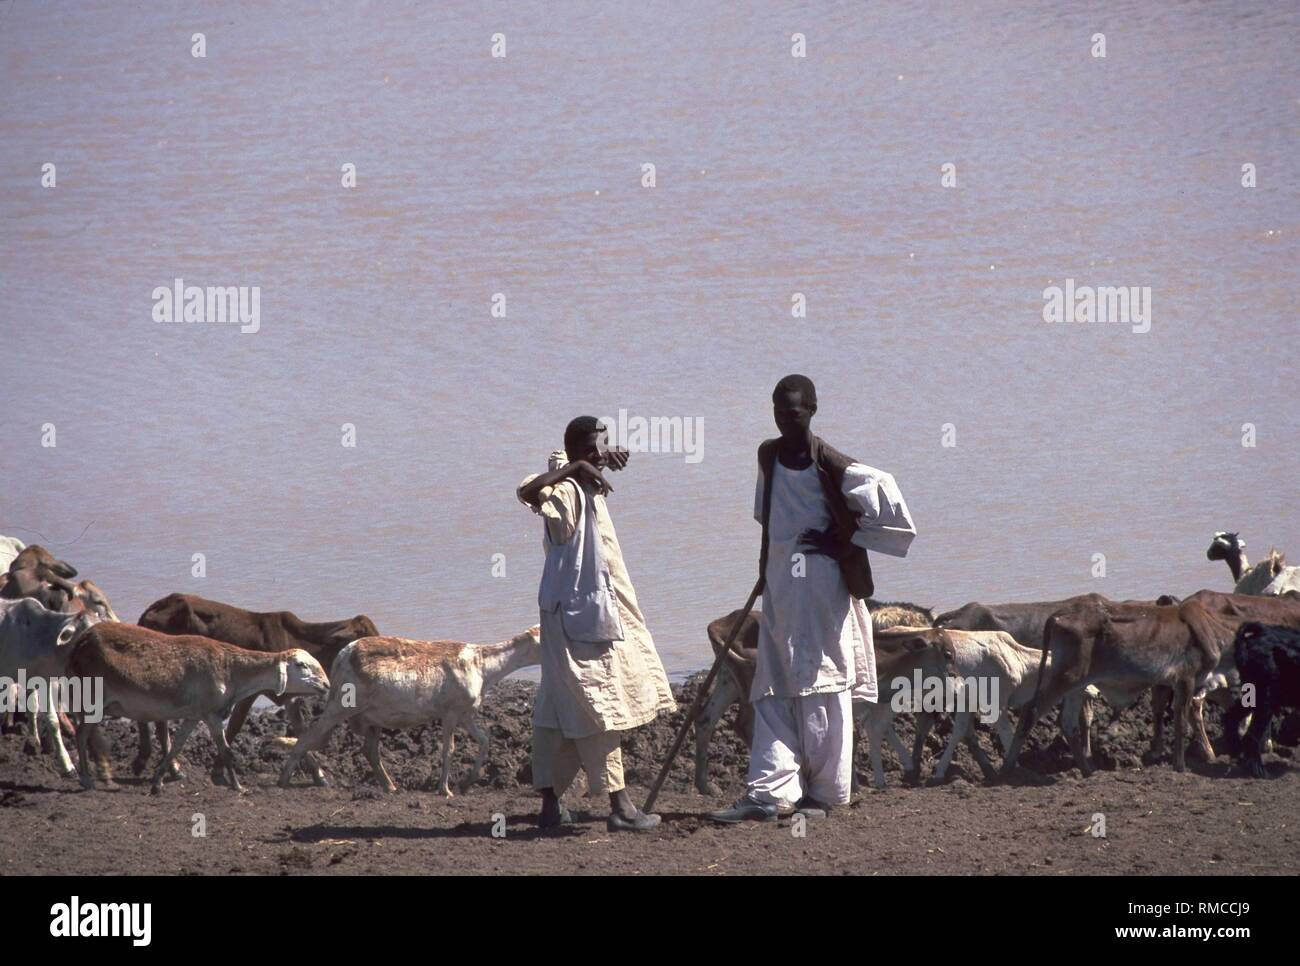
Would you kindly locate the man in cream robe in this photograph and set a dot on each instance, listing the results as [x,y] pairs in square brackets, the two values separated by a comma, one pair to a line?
[591,690]
[815,652]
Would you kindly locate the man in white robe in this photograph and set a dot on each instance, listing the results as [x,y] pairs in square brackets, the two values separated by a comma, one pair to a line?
[601,673]
[815,653]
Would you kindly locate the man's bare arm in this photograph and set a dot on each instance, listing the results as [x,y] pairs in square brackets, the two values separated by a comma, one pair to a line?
[579,470]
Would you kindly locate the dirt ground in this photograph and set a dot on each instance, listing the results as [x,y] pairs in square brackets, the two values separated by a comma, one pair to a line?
[1212,820]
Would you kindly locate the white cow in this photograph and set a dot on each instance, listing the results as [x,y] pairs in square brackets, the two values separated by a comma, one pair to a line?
[36,640]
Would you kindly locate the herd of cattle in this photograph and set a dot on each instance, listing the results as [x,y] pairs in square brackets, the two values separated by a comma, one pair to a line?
[192,660]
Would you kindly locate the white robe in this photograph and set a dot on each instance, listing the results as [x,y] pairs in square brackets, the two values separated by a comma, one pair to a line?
[814,637]
[587,689]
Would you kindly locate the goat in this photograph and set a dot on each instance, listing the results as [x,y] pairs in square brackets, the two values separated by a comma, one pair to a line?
[391,682]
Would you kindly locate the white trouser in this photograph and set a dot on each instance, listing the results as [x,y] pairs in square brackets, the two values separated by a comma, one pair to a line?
[802,747]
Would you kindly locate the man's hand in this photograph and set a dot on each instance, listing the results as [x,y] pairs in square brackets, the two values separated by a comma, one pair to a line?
[584,472]
[821,542]
[616,458]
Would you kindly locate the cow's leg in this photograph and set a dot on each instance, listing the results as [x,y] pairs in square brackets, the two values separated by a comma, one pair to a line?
[900,749]
[225,756]
[1085,719]
[1160,697]
[144,749]
[1253,743]
[1182,708]
[1051,689]
[1077,706]
[44,719]
[1232,727]
[92,755]
[879,723]
[99,754]
[83,755]
[183,733]
[981,758]
[54,737]
[725,694]
[961,722]
[1070,724]
[924,721]
[32,723]
[448,746]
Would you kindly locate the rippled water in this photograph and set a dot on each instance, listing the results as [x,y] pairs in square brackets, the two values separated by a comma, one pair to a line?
[522,176]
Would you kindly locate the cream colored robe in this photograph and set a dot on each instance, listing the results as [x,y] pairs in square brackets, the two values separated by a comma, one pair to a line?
[589,688]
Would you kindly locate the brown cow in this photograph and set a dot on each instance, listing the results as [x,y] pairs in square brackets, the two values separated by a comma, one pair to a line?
[267,631]
[1124,649]
[1282,610]
[1024,622]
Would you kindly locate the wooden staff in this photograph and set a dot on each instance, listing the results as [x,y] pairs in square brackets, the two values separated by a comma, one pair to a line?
[700,695]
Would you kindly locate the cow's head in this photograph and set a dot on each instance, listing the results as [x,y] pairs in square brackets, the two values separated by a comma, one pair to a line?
[92,599]
[43,563]
[345,632]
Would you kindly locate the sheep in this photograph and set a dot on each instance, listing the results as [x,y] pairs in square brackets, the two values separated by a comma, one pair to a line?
[391,682]
[148,676]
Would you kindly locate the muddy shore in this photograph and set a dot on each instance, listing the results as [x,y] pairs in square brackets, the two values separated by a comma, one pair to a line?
[1210,820]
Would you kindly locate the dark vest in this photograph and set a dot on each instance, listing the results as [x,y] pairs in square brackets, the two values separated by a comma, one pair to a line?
[831,464]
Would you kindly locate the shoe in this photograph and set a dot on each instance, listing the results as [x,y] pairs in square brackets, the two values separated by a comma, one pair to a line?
[640,822]
[747,809]
[565,818]
[811,808]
